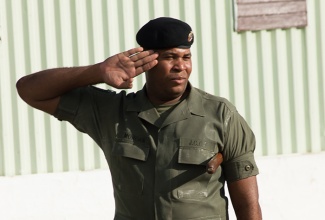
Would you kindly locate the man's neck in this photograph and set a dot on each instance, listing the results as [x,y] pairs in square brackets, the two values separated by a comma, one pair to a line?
[172,101]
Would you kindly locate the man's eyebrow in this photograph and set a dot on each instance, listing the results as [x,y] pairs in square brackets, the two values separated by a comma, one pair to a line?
[167,53]
[173,53]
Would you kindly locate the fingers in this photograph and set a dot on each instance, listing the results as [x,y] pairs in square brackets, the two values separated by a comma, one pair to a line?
[144,57]
[214,163]
[129,83]
[144,61]
[137,53]
[141,55]
[125,84]
[133,51]
[145,67]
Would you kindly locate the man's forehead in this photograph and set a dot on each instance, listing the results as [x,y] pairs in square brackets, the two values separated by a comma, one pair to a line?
[174,51]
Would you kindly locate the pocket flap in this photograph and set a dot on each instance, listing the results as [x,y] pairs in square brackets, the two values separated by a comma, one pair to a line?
[130,150]
[196,151]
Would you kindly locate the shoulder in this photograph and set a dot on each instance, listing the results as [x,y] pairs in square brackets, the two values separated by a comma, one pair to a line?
[101,95]
[213,100]
[89,96]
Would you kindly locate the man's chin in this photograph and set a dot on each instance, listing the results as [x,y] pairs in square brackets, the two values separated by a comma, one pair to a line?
[177,90]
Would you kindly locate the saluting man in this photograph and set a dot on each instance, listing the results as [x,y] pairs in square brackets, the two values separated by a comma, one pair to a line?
[170,147]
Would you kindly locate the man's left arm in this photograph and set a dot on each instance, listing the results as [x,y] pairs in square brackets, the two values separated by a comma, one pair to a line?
[245,199]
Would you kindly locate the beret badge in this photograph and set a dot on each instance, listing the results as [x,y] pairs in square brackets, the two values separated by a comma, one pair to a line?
[190,36]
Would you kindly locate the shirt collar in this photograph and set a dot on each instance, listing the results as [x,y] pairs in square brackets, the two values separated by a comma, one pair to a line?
[194,102]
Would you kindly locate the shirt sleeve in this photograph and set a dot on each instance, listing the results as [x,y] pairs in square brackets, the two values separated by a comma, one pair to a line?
[68,106]
[81,107]
[239,146]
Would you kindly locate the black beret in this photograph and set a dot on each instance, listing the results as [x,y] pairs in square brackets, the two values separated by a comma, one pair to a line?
[165,32]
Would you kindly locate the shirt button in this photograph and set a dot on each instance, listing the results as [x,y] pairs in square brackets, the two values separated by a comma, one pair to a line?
[247,167]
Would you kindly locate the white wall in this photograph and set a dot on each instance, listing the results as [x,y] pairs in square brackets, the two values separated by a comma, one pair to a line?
[274,78]
[291,187]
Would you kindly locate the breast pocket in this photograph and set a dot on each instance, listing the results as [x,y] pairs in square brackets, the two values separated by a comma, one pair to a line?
[192,179]
[130,167]
[196,151]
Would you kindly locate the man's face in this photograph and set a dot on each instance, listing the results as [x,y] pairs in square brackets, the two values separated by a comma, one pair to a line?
[167,81]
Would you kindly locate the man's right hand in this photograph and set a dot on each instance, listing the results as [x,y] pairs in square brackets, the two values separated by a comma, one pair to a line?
[120,69]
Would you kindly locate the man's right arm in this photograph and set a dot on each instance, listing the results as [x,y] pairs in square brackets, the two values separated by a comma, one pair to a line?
[42,90]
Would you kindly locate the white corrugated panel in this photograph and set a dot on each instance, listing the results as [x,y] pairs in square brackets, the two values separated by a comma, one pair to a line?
[275,78]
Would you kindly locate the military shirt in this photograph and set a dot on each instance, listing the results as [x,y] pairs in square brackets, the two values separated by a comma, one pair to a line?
[158,164]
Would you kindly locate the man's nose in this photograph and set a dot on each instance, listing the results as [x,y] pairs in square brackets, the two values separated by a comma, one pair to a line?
[179,64]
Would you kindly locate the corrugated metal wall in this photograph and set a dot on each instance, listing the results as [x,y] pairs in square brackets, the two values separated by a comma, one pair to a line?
[275,78]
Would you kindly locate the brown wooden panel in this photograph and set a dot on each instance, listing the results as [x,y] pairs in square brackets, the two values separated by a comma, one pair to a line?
[271,8]
[263,1]
[272,21]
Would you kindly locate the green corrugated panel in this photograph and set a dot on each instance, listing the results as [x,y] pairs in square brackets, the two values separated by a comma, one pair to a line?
[275,78]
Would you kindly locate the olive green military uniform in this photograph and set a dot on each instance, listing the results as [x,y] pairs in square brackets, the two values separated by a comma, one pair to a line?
[158,162]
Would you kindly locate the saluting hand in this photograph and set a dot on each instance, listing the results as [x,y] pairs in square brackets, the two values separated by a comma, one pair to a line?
[120,69]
